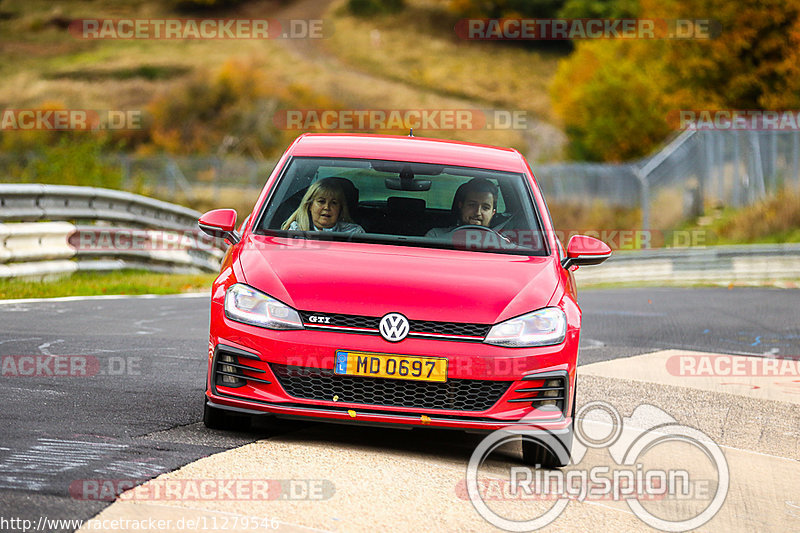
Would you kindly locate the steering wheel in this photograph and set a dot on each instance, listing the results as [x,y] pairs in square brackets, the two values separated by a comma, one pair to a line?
[483,228]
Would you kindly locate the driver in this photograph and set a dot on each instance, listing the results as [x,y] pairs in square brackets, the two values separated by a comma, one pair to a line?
[477,206]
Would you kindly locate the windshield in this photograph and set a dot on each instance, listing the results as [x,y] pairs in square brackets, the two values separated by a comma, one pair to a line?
[404,203]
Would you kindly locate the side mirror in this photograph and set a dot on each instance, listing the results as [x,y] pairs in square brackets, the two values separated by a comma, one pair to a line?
[583,250]
[220,223]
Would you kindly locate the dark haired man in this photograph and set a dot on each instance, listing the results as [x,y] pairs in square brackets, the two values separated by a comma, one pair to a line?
[476,206]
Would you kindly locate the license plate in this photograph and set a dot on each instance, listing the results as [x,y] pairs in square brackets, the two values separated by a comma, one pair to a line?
[379,365]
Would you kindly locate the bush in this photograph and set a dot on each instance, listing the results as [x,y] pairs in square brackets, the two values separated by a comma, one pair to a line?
[614,96]
[198,115]
[74,160]
[612,9]
[610,97]
[507,8]
[368,8]
[190,5]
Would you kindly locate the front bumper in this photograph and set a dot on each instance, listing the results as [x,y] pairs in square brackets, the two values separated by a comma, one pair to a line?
[255,382]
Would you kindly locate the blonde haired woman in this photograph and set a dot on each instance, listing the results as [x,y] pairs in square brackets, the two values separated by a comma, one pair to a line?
[323,208]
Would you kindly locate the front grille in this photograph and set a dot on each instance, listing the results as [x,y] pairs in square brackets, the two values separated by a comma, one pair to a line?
[369,324]
[455,394]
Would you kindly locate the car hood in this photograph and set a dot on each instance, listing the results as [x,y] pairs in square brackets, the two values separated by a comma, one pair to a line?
[374,279]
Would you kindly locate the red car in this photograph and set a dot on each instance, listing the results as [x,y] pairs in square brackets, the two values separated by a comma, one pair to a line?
[397,281]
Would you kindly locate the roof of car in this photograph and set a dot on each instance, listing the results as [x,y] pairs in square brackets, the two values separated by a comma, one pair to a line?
[404,148]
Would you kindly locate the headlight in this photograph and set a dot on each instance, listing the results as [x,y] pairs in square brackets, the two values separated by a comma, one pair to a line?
[245,304]
[540,328]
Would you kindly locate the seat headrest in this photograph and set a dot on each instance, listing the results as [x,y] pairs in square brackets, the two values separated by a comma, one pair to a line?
[397,205]
[350,192]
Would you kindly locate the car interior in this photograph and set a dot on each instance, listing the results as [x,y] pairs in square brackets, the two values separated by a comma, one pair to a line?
[397,205]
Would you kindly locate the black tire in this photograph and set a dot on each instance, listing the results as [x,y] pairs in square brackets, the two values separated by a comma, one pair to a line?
[215,418]
[536,453]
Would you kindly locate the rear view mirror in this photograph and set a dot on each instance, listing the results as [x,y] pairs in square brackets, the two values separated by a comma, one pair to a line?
[583,250]
[406,181]
[398,184]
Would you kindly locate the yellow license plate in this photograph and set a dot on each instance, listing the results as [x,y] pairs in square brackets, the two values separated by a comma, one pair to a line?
[379,365]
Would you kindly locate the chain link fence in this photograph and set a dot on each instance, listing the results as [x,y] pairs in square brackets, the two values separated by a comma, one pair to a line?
[726,168]
[730,168]
[186,174]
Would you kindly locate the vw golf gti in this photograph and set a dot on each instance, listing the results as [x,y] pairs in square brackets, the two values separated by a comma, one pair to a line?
[398,281]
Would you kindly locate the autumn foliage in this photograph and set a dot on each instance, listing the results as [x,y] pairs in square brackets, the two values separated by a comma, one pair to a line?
[614,96]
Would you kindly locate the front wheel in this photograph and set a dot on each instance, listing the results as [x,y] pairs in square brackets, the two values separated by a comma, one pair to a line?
[552,452]
[216,418]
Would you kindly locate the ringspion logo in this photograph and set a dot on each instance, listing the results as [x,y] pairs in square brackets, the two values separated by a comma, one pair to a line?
[682,497]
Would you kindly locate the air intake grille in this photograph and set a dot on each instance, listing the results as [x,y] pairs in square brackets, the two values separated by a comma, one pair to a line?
[455,394]
[543,391]
[229,371]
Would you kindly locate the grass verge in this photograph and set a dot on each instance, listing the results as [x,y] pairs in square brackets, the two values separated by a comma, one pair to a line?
[420,47]
[103,283]
[773,220]
[587,285]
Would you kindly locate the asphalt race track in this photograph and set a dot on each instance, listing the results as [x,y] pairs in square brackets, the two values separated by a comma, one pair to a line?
[102,394]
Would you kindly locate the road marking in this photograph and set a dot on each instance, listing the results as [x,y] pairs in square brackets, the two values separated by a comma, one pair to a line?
[21,340]
[107,297]
[33,468]
[45,348]
[49,392]
[131,469]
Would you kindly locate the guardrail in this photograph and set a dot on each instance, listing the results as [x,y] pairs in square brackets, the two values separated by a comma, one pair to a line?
[756,263]
[163,237]
[50,230]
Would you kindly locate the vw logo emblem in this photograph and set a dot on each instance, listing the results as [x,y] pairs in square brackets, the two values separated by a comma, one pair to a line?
[394,327]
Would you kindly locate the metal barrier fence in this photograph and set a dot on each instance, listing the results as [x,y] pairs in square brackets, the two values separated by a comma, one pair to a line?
[167,174]
[187,173]
[732,168]
[756,263]
[54,229]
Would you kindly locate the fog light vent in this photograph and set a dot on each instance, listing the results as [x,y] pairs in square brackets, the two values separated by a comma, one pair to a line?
[230,372]
[227,375]
[546,391]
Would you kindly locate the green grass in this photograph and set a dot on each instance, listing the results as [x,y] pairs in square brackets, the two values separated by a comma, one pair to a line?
[587,285]
[773,220]
[106,283]
[419,47]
